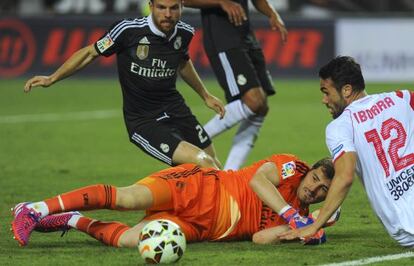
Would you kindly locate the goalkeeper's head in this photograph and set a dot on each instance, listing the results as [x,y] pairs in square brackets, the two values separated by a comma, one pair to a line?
[315,185]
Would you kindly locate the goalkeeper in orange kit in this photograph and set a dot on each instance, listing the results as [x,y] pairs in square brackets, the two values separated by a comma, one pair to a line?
[255,203]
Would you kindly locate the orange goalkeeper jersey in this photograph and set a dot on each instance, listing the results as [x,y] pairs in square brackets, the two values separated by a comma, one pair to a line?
[246,212]
[218,205]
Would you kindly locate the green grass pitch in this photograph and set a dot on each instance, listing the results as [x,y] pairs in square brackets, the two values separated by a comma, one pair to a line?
[39,159]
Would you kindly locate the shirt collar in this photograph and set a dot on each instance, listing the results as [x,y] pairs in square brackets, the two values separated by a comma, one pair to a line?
[157,32]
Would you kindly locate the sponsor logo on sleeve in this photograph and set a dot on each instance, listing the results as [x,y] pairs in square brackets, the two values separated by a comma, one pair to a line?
[288,169]
[104,43]
[336,150]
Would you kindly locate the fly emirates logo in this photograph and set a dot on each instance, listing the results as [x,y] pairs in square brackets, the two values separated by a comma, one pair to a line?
[157,70]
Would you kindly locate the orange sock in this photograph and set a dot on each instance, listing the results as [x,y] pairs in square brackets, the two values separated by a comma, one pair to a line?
[106,232]
[86,198]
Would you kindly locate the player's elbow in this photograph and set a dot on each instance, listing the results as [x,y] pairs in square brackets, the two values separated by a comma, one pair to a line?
[263,239]
[258,239]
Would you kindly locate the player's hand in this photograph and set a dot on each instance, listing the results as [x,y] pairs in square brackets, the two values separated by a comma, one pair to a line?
[43,81]
[216,104]
[276,23]
[331,221]
[235,12]
[316,239]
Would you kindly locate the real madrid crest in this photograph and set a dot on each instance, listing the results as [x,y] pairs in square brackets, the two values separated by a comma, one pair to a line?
[164,147]
[177,43]
[142,51]
[241,80]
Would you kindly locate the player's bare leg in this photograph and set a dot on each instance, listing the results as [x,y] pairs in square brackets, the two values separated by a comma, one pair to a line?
[134,197]
[130,238]
[210,150]
[189,153]
[256,100]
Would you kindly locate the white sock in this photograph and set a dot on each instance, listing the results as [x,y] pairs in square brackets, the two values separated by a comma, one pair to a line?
[39,206]
[74,220]
[243,142]
[235,112]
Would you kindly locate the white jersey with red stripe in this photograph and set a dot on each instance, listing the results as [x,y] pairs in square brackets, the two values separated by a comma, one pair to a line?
[380,129]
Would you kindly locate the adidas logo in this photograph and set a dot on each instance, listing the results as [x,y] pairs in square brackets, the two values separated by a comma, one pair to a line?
[144,41]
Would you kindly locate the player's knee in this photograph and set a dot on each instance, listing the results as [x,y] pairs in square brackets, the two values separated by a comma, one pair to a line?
[258,239]
[205,160]
[258,107]
[128,240]
[261,239]
[134,197]
[257,102]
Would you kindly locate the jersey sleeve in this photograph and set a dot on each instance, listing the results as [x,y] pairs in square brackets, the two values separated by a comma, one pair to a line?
[188,31]
[114,40]
[289,167]
[407,96]
[339,136]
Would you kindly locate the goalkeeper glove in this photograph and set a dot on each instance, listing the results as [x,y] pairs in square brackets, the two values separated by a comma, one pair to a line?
[295,221]
[293,218]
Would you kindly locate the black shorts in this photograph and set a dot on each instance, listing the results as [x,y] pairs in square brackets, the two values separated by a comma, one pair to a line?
[160,136]
[239,70]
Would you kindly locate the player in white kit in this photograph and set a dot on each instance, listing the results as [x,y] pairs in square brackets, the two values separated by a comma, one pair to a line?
[372,136]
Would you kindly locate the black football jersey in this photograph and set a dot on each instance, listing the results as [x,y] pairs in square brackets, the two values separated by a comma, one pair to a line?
[147,63]
[221,35]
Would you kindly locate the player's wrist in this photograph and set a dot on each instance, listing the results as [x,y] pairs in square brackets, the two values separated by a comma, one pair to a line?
[287,213]
[52,79]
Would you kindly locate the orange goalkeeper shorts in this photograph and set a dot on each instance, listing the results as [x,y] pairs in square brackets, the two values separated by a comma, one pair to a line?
[186,195]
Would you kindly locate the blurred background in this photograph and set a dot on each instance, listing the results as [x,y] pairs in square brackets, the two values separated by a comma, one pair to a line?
[310,8]
[36,36]
[72,134]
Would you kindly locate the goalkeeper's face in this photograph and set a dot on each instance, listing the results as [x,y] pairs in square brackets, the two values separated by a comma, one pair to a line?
[165,14]
[314,187]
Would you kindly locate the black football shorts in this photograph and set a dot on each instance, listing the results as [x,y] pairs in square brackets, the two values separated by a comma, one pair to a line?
[239,70]
[160,136]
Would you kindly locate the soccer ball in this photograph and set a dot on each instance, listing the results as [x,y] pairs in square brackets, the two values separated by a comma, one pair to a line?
[161,241]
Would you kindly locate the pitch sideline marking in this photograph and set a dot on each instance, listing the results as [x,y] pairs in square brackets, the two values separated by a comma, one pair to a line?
[373,259]
[54,117]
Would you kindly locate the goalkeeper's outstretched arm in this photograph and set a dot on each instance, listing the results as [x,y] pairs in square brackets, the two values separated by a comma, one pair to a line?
[269,235]
[77,61]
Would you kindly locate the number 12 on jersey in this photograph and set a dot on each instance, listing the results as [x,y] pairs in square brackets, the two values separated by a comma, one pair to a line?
[372,136]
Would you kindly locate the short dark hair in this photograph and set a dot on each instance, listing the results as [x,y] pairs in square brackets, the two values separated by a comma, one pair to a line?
[343,70]
[327,167]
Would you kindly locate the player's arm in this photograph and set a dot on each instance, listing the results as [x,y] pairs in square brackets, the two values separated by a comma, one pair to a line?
[191,77]
[269,235]
[77,61]
[264,183]
[275,21]
[341,183]
[234,11]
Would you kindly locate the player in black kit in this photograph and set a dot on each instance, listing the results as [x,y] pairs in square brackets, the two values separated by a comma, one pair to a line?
[150,51]
[239,65]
